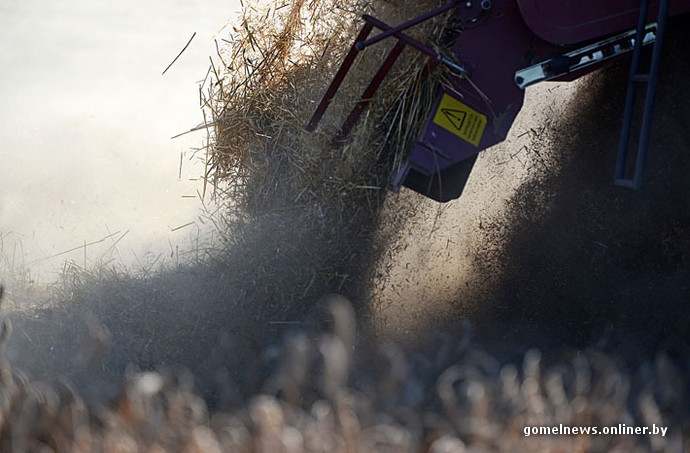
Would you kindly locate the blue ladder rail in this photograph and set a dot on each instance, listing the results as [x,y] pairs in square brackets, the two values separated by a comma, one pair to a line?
[650,79]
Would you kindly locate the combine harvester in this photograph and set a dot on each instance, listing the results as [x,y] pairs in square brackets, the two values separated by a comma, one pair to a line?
[502,47]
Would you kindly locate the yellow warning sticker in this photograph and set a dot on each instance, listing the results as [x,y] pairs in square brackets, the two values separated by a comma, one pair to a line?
[461,120]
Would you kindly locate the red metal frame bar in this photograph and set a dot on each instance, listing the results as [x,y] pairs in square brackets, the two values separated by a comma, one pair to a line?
[360,43]
[393,31]
[338,79]
[369,92]
[401,36]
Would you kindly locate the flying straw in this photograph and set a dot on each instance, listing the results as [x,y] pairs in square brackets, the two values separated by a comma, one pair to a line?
[181,52]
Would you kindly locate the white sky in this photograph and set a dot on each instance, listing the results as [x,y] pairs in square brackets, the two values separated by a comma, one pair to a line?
[86,121]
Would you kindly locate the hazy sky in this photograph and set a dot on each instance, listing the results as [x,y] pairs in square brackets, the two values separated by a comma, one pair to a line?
[86,120]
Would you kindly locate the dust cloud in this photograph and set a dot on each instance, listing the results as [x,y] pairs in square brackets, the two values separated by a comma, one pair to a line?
[425,275]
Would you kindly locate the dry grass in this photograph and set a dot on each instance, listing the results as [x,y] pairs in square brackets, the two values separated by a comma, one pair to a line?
[320,396]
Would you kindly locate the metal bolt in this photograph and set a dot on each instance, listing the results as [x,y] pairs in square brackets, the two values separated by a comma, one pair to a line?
[468,5]
[486,4]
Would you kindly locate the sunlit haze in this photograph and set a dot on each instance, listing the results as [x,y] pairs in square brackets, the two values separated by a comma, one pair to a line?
[86,120]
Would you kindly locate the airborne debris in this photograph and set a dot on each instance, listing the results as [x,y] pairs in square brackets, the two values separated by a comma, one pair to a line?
[178,55]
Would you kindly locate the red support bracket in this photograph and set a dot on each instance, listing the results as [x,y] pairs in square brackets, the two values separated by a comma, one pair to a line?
[394,31]
[338,79]
[361,43]
[354,115]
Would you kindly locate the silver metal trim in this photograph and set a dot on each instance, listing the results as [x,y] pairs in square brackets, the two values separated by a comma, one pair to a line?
[581,58]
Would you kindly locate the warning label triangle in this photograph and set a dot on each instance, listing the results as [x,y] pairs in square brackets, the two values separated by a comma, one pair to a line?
[456,117]
[460,120]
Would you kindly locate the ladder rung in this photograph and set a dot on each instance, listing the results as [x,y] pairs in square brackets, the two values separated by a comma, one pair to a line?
[628,183]
[640,78]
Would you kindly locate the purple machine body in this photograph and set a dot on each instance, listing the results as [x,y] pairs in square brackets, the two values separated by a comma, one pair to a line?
[505,46]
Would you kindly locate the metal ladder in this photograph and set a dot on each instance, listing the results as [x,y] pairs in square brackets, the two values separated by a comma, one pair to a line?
[650,79]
